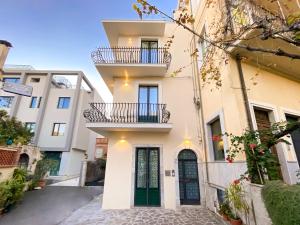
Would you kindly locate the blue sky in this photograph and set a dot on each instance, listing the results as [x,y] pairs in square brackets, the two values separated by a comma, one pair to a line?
[60,34]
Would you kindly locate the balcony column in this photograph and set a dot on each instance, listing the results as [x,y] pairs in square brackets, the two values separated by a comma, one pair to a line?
[42,109]
[73,115]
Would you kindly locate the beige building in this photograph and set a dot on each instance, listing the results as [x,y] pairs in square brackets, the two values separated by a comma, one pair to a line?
[153,156]
[54,113]
[257,91]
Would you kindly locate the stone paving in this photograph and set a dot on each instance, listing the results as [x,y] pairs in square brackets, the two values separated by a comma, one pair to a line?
[92,214]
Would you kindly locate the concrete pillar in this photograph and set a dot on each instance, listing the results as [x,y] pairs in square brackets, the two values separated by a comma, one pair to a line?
[42,109]
[83,170]
[73,115]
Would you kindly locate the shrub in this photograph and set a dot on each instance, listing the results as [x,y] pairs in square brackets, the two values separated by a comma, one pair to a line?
[282,202]
[12,191]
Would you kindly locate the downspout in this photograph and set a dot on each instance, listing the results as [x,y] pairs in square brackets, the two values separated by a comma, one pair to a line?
[244,92]
[200,108]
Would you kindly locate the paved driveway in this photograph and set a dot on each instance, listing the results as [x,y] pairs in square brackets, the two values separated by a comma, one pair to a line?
[92,214]
[49,206]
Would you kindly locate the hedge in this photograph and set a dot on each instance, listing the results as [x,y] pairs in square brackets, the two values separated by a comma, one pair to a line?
[282,202]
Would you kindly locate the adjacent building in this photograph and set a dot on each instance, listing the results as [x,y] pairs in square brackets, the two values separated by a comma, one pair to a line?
[257,90]
[54,113]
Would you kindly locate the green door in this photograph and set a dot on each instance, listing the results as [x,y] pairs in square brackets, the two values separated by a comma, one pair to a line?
[147,180]
[55,156]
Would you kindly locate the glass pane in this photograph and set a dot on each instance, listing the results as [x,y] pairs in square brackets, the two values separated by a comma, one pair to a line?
[55,129]
[190,169]
[192,191]
[180,169]
[6,101]
[217,142]
[143,95]
[61,131]
[141,168]
[33,102]
[153,95]
[187,154]
[181,190]
[153,169]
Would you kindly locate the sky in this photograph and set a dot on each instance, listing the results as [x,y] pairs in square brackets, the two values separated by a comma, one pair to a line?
[61,34]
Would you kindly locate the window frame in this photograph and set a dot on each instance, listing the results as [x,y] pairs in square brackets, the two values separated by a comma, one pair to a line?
[63,98]
[10,103]
[17,79]
[36,102]
[218,115]
[30,123]
[58,132]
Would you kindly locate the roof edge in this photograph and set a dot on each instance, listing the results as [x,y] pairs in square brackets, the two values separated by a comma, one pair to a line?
[6,43]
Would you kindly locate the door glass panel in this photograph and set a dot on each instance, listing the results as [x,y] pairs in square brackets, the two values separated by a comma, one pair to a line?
[295,135]
[192,191]
[153,52]
[190,169]
[141,168]
[148,99]
[153,169]
[149,52]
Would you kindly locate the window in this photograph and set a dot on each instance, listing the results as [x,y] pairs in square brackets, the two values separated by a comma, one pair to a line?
[58,129]
[217,142]
[295,135]
[30,126]
[6,101]
[35,102]
[221,196]
[63,102]
[35,80]
[11,79]
[148,99]
[202,46]
[149,53]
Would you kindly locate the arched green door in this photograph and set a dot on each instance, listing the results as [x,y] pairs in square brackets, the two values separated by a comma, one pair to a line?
[188,178]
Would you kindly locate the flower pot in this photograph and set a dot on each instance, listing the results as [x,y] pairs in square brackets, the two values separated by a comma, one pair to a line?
[42,183]
[225,217]
[236,221]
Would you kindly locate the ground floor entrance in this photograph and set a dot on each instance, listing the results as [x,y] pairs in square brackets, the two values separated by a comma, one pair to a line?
[147,178]
[188,178]
[56,158]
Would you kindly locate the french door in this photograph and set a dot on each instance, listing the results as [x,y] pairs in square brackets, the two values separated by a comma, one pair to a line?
[147,179]
[148,104]
[149,52]
[295,135]
[188,178]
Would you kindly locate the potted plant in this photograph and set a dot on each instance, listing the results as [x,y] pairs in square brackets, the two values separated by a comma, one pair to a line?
[42,167]
[235,196]
[225,211]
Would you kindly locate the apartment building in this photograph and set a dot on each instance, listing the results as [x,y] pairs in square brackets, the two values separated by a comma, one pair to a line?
[255,92]
[153,145]
[54,113]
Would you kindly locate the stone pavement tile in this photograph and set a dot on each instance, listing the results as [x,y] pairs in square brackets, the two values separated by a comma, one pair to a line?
[92,214]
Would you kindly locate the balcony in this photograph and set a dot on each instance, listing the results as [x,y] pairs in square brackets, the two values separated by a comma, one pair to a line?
[107,117]
[244,14]
[130,61]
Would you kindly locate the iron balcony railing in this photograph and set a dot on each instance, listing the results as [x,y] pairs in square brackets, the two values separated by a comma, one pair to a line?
[244,13]
[131,55]
[127,113]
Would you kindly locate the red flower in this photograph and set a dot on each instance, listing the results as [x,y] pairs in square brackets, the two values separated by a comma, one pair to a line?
[252,146]
[216,138]
[236,182]
[230,160]
[261,152]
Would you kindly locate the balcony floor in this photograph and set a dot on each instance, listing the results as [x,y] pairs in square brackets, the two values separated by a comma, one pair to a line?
[141,127]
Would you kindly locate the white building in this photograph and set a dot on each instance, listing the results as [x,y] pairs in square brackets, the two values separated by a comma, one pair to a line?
[54,113]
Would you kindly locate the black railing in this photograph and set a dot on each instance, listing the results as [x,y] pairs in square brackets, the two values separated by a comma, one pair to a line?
[244,14]
[131,55]
[127,113]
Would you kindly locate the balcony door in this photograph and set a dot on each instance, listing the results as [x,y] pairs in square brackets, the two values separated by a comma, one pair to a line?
[148,104]
[149,52]
[295,135]
[147,179]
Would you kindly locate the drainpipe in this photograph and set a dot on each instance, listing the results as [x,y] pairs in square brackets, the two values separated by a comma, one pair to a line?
[244,92]
[200,108]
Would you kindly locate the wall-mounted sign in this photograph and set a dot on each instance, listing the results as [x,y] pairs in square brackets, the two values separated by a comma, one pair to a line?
[18,89]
